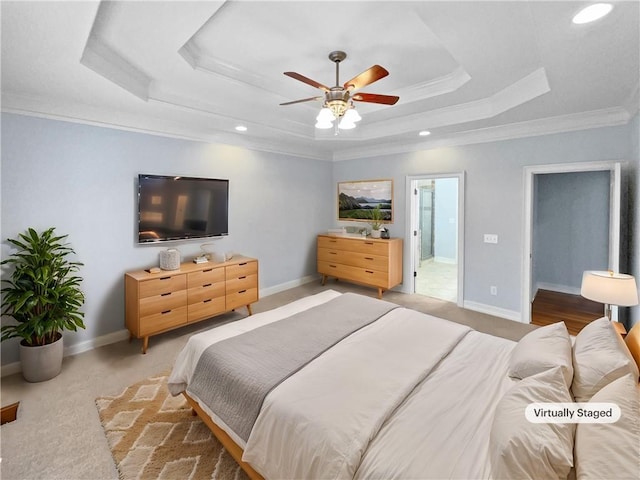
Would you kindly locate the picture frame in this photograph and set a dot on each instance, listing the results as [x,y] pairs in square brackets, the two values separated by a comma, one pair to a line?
[357,198]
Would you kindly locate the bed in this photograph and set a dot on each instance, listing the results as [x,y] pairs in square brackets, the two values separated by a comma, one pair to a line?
[345,386]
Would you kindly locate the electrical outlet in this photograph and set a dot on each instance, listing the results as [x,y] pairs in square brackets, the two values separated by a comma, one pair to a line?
[490,238]
[494,290]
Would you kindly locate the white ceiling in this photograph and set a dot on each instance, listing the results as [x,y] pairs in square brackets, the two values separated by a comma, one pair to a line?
[467,71]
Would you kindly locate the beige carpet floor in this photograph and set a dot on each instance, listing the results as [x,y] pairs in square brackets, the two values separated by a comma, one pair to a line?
[58,434]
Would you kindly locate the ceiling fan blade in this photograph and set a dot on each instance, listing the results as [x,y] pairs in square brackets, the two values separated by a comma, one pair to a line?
[375,98]
[306,80]
[300,101]
[367,77]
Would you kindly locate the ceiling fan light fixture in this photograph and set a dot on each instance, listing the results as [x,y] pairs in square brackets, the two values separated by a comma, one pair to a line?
[346,125]
[592,13]
[351,115]
[325,115]
[324,124]
[337,107]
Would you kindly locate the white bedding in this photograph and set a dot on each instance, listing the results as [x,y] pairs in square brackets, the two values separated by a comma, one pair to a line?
[410,396]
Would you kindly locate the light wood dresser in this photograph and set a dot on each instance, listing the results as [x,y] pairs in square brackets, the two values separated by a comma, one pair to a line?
[369,261]
[158,302]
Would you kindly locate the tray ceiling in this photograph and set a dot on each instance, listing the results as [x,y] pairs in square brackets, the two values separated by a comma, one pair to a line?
[466,71]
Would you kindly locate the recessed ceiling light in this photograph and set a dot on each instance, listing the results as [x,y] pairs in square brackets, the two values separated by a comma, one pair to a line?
[592,13]
[424,133]
[241,128]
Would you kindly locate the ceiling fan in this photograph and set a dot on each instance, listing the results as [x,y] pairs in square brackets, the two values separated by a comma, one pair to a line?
[338,100]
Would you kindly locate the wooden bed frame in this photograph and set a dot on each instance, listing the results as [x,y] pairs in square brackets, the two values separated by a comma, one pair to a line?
[632,340]
[227,442]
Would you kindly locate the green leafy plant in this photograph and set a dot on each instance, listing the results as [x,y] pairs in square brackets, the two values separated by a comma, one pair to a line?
[43,294]
[376,218]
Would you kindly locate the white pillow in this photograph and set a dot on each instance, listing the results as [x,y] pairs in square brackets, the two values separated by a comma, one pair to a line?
[541,349]
[606,449]
[521,449]
[599,357]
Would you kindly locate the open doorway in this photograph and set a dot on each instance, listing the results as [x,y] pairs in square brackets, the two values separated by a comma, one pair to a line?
[572,224]
[436,238]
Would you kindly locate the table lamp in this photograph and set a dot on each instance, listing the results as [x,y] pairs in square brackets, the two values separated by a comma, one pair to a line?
[609,288]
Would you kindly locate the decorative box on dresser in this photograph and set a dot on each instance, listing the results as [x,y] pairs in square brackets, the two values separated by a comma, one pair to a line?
[368,261]
[158,302]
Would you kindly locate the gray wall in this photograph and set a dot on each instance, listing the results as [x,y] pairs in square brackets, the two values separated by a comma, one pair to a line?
[494,201]
[570,229]
[82,180]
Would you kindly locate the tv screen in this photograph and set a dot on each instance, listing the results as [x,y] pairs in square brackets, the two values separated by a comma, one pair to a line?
[174,208]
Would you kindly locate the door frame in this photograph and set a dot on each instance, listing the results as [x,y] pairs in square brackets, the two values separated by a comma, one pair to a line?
[614,168]
[411,227]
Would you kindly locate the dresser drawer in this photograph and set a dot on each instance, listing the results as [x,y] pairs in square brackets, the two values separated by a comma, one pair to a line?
[360,245]
[163,302]
[205,277]
[198,294]
[206,308]
[241,270]
[163,320]
[364,260]
[355,274]
[157,286]
[241,283]
[242,298]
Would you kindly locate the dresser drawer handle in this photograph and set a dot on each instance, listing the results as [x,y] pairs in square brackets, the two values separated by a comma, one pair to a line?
[207,284]
[368,271]
[207,270]
[368,243]
[206,301]
[332,266]
[165,294]
[242,291]
[165,278]
[333,253]
[242,277]
[242,264]
[166,311]
[368,258]
[333,241]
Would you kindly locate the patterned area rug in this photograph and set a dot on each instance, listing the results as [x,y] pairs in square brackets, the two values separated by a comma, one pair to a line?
[153,435]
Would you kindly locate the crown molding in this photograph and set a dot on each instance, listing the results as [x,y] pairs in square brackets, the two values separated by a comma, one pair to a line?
[546,126]
[85,114]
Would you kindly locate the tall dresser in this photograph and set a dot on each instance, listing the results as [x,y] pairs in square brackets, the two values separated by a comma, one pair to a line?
[368,261]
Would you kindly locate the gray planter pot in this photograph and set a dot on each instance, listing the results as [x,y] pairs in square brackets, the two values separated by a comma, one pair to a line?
[41,363]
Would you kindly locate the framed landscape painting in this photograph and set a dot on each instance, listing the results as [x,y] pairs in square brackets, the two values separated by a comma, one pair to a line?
[357,199]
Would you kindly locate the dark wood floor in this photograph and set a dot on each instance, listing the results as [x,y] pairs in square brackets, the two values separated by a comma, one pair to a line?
[576,311]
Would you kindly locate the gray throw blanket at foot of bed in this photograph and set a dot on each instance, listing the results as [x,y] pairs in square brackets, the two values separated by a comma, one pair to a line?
[234,376]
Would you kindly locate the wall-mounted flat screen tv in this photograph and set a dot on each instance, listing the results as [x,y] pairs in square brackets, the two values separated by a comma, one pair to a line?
[176,208]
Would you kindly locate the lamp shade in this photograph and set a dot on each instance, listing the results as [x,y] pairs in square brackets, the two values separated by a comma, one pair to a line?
[610,288]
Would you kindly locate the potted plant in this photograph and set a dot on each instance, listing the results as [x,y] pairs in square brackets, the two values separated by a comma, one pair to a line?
[376,221]
[44,297]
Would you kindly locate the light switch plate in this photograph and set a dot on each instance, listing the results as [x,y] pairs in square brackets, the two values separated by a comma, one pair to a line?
[490,238]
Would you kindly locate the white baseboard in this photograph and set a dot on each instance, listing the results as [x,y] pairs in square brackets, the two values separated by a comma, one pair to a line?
[491,310]
[265,292]
[100,341]
[10,369]
[75,349]
[557,288]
